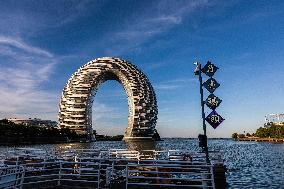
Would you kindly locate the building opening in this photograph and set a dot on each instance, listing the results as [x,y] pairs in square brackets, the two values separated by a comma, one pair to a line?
[110,111]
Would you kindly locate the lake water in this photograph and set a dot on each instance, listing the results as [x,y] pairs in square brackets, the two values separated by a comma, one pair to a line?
[249,164]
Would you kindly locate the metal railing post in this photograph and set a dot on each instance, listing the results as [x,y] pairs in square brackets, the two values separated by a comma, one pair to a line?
[126,179]
[22,178]
[99,175]
[212,176]
[59,174]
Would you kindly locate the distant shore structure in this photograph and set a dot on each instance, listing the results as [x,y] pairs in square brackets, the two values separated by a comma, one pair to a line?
[34,122]
[75,108]
[274,119]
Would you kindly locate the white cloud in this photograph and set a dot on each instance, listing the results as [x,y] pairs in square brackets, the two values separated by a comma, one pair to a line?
[174,83]
[21,45]
[103,110]
[159,18]
[154,20]
[109,120]
[30,17]
[23,70]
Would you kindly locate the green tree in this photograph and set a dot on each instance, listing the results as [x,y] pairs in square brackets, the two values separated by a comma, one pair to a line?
[276,131]
[14,131]
[235,135]
[262,132]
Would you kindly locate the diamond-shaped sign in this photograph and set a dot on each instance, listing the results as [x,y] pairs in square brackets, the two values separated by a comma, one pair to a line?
[214,119]
[209,69]
[211,85]
[213,101]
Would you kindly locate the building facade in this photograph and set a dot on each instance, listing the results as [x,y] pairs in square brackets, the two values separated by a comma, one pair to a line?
[274,119]
[75,109]
[34,122]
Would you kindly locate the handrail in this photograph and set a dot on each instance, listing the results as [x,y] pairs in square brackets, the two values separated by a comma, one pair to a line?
[59,173]
[159,174]
[84,166]
[117,153]
[11,176]
[63,171]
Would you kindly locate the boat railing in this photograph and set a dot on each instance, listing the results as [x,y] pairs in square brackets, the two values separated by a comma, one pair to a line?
[127,154]
[76,154]
[169,174]
[147,154]
[62,173]
[11,176]
[120,170]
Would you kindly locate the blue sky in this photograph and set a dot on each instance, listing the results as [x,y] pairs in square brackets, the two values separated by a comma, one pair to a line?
[43,42]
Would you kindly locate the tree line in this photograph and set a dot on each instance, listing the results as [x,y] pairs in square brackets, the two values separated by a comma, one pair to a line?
[10,131]
[274,131]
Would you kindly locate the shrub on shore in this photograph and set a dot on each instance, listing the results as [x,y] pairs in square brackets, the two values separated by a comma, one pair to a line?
[12,130]
[274,131]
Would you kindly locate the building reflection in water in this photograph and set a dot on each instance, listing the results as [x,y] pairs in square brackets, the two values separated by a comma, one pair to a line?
[143,147]
[61,148]
[146,148]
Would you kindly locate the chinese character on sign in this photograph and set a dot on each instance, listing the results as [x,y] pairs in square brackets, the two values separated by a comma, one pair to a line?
[214,119]
[211,85]
[209,69]
[213,101]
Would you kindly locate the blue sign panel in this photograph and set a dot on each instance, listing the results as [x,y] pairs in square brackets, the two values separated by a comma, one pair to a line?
[209,69]
[211,85]
[214,119]
[213,101]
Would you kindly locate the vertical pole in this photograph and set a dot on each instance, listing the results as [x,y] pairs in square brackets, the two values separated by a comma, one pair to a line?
[99,175]
[202,111]
[59,175]
[22,177]
[202,102]
[126,183]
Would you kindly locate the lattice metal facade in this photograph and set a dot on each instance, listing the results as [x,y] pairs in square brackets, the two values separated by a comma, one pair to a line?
[75,111]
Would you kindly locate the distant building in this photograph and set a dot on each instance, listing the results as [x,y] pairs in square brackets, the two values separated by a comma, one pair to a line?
[77,98]
[34,122]
[274,119]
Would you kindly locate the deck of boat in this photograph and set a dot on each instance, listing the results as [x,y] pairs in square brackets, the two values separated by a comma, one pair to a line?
[117,168]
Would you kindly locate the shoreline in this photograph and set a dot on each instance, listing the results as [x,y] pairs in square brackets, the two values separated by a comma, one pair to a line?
[254,139]
[38,140]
